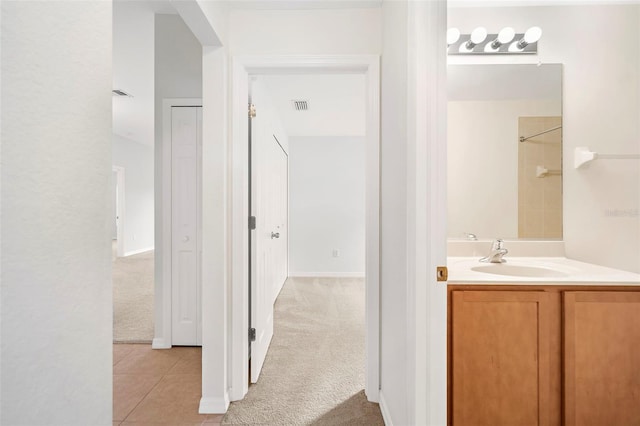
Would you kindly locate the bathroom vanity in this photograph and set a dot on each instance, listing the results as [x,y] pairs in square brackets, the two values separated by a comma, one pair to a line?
[542,341]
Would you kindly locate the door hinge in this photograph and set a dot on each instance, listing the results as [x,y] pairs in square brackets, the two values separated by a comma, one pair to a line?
[442,273]
[252,334]
[252,110]
[252,222]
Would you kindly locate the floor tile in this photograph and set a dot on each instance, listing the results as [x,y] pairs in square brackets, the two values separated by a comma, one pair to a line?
[174,400]
[144,360]
[128,391]
[187,365]
[188,351]
[120,351]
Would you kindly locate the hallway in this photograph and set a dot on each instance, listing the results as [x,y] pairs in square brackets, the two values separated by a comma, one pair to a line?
[314,370]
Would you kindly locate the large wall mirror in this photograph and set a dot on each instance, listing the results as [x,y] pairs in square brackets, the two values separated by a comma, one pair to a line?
[505,151]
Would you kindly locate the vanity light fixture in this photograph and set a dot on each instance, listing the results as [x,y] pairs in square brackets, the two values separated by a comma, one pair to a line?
[479,42]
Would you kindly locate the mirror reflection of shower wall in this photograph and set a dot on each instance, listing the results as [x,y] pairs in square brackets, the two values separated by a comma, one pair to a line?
[540,178]
[486,102]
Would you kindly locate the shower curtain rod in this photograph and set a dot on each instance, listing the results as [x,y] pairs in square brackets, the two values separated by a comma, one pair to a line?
[522,138]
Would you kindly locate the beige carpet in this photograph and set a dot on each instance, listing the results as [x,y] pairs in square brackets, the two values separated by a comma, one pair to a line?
[314,370]
[133,298]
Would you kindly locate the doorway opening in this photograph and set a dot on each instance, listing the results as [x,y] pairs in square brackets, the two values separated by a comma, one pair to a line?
[244,70]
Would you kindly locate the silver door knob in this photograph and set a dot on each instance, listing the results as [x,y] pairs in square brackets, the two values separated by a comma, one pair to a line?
[275,235]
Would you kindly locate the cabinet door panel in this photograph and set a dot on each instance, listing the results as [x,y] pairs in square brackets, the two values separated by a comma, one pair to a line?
[602,358]
[501,358]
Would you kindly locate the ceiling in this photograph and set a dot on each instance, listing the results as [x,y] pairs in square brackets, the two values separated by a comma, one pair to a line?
[336,103]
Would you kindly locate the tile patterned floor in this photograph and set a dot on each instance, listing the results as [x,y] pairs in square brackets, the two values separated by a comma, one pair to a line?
[158,387]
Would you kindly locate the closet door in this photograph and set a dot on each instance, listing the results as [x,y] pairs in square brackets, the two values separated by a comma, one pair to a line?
[186,137]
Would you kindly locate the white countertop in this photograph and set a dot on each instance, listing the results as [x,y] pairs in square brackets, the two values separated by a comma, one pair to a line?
[560,271]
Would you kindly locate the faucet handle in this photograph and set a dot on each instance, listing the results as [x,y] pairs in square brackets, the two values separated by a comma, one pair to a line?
[498,244]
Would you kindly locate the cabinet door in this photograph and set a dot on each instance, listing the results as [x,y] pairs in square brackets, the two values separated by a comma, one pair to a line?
[602,358]
[501,343]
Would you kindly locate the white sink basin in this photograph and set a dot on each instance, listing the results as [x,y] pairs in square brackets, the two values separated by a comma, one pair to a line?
[518,270]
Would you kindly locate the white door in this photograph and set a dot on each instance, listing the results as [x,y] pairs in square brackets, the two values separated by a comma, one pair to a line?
[269,194]
[186,140]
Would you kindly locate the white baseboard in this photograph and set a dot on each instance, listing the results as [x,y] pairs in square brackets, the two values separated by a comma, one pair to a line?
[159,343]
[214,405]
[142,250]
[385,410]
[326,274]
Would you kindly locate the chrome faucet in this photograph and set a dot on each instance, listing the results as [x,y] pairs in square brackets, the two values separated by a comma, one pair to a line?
[496,253]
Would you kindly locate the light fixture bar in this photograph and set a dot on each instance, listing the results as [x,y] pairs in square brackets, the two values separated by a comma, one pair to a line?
[492,46]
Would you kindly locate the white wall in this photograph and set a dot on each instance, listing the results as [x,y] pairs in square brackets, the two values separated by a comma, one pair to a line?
[413,216]
[178,74]
[483,172]
[601,102]
[56,168]
[137,160]
[326,206]
[394,395]
[280,32]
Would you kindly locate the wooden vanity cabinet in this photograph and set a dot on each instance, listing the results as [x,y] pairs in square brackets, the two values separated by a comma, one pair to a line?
[502,345]
[543,356]
[601,358]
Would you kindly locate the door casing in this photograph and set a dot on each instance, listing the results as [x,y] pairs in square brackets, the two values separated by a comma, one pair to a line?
[242,68]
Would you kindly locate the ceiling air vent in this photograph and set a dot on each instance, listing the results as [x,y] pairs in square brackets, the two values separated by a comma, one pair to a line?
[119,93]
[300,105]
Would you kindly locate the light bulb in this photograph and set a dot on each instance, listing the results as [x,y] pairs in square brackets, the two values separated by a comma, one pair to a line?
[453,34]
[478,35]
[532,35]
[506,35]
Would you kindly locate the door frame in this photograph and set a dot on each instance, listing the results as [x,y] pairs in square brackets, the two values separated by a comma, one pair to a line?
[162,336]
[241,68]
[120,209]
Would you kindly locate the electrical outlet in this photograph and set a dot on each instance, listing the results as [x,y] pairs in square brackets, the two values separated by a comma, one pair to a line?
[336,253]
